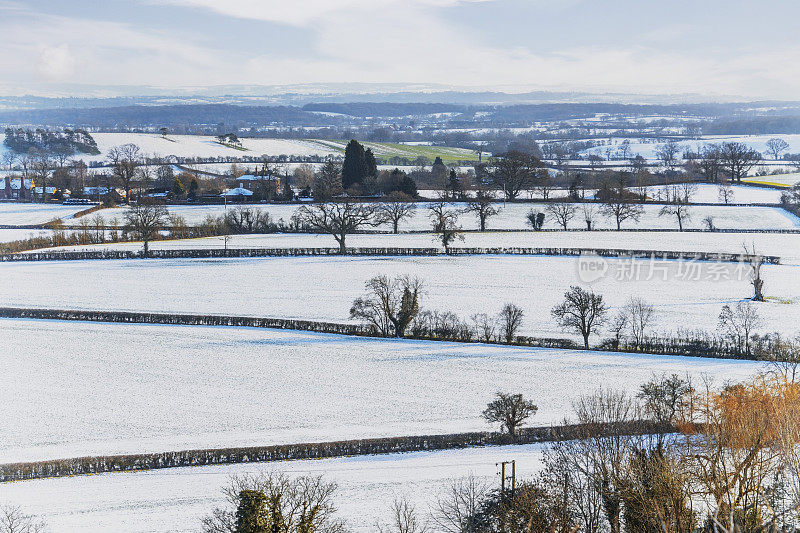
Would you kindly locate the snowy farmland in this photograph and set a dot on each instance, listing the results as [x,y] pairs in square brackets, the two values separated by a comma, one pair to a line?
[202,146]
[174,500]
[784,245]
[513,216]
[685,294]
[22,214]
[647,147]
[74,389]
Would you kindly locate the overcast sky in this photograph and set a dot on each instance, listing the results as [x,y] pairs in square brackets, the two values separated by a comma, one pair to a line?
[713,47]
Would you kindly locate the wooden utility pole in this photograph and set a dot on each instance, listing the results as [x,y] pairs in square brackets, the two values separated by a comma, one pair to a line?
[508,482]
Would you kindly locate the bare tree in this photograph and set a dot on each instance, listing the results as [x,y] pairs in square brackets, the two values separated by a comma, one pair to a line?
[395,208]
[145,220]
[737,159]
[784,359]
[639,318]
[405,519]
[389,305]
[775,146]
[483,206]
[510,319]
[125,159]
[678,206]
[13,520]
[444,222]
[544,183]
[41,165]
[595,162]
[338,219]
[667,399]
[299,504]
[510,410]
[515,171]
[725,192]
[621,210]
[617,326]
[668,154]
[604,457]
[588,212]
[562,212]
[711,162]
[739,323]
[581,311]
[756,262]
[484,326]
[457,508]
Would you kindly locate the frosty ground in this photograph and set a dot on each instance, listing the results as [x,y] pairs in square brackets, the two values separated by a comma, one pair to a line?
[72,389]
[685,294]
[513,216]
[784,245]
[175,499]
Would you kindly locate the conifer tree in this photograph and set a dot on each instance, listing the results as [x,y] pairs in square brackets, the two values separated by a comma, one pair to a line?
[354,168]
[370,164]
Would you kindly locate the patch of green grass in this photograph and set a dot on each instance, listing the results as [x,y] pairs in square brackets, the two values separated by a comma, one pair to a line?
[385,151]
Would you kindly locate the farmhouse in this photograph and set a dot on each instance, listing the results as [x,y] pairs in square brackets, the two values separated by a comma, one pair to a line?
[253,183]
[16,188]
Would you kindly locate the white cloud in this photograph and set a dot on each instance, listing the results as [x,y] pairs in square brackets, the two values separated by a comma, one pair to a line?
[56,63]
[302,12]
[379,41]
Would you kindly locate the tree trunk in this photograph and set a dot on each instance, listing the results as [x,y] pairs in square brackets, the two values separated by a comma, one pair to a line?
[146,248]
[342,247]
[395,226]
[586,340]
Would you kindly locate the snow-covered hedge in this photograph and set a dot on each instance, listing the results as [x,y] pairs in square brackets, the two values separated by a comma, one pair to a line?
[320,450]
[282,252]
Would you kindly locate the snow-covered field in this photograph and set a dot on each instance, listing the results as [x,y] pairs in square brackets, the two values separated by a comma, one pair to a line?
[647,147]
[175,500]
[685,294]
[75,388]
[201,146]
[784,180]
[8,235]
[513,216]
[21,214]
[784,245]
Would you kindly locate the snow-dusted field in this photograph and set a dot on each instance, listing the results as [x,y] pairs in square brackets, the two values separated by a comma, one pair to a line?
[685,294]
[647,147]
[784,245]
[742,194]
[74,388]
[513,216]
[175,500]
[785,180]
[21,214]
[8,235]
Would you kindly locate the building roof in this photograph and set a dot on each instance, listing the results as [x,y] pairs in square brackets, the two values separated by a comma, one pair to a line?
[250,177]
[238,191]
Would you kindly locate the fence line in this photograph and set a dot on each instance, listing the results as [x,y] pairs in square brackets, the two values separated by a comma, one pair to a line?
[203,253]
[319,450]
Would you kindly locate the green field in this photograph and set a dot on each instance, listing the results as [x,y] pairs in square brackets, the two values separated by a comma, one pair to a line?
[385,151]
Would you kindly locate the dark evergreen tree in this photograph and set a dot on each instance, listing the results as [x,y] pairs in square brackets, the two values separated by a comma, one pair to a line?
[354,168]
[370,164]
